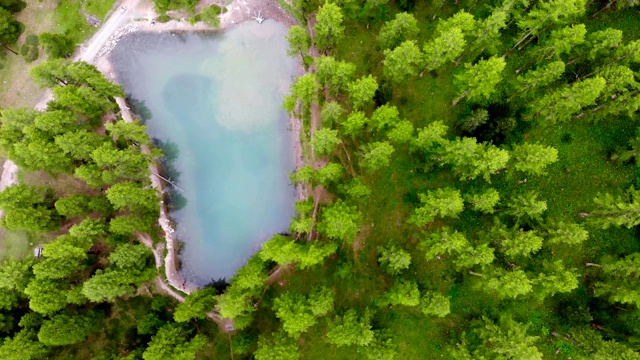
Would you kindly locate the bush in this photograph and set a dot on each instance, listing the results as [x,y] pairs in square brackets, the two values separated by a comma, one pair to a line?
[31,55]
[32,40]
[56,45]
[210,15]
[164,18]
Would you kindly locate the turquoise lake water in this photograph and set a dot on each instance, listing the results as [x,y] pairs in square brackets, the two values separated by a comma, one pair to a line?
[217,98]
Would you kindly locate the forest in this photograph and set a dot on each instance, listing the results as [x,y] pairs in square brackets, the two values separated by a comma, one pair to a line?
[473,193]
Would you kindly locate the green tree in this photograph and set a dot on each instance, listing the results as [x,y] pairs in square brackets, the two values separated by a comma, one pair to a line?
[329,173]
[555,279]
[299,41]
[196,305]
[325,141]
[470,159]
[292,309]
[478,117]
[10,29]
[533,158]
[394,259]
[547,13]
[361,91]
[444,48]
[129,265]
[321,301]
[382,347]
[541,77]
[340,221]
[563,233]
[128,132]
[507,284]
[127,225]
[431,136]
[516,242]
[328,28]
[384,117]
[403,27]
[356,189]
[57,45]
[402,293]
[443,241]
[72,206]
[46,296]
[284,251]
[402,62]
[353,123]
[401,133]
[436,304]
[23,346]
[562,104]
[485,201]
[376,155]
[602,43]
[236,302]
[331,113]
[480,255]
[508,339]
[479,80]
[64,330]
[350,329]
[279,347]
[487,33]
[620,281]
[618,211]
[335,75]
[27,208]
[120,164]
[55,122]
[173,342]
[526,205]
[304,89]
[443,202]
[134,197]
[80,144]
[62,260]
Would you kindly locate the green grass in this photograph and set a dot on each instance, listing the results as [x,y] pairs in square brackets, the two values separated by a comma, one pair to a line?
[15,245]
[70,21]
[98,8]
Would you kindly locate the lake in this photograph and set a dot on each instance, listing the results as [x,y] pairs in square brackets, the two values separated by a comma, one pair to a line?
[214,101]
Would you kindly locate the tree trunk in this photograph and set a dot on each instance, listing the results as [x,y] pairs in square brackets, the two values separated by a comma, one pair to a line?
[438,11]
[603,8]
[475,273]
[592,264]
[459,60]
[6,47]
[456,101]
[522,39]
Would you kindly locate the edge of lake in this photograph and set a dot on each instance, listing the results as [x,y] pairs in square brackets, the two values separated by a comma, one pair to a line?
[239,12]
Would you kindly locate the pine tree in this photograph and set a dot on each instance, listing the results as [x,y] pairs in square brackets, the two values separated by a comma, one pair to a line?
[402,62]
[562,104]
[443,202]
[403,27]
[478,81]
[618,211]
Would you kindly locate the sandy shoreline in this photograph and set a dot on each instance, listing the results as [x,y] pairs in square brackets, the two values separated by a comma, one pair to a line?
[239,11]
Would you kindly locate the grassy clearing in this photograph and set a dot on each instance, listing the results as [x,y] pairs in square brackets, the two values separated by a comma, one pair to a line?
[64,17]
[98,8]
[15,245]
